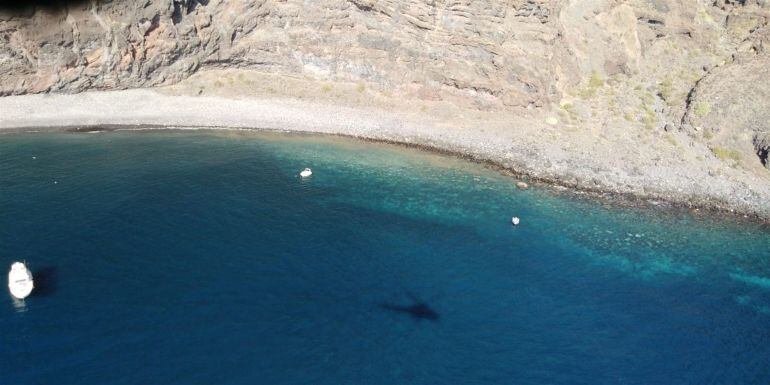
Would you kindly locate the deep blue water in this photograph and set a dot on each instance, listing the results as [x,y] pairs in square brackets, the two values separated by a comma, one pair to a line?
[201,258]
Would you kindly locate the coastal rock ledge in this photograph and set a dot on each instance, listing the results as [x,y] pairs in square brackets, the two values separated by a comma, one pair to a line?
[659,98]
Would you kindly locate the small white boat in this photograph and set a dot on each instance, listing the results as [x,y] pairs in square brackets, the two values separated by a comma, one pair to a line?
[306,173]
[20,280]
[515,221]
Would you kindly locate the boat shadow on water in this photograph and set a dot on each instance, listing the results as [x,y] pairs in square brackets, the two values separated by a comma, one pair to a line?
[46,281]
[418,310]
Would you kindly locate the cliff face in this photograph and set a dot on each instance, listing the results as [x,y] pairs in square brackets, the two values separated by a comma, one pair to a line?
[695,66]
[507,53]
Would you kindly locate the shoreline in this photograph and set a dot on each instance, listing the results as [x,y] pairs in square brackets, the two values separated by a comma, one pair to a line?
[619,199]
[149,109]
[615,198]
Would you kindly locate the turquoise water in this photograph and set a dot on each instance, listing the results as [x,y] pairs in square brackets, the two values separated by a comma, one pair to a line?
[201,258]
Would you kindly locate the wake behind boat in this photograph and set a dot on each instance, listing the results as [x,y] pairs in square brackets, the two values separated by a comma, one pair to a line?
[20,281]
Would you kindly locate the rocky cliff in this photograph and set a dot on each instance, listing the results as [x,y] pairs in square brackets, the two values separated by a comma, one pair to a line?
[698,68]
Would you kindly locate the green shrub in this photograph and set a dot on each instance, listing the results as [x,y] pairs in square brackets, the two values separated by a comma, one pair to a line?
[702,109]
[648,97]
[726,154]
[665,89]
[648,118]
[594,83]
[596,80]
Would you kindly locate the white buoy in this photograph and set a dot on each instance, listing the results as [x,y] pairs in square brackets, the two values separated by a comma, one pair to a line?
[515,221]
[306,173]
[20,280]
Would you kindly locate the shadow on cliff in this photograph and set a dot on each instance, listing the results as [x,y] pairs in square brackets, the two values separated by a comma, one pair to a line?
[418,309]
[29,7]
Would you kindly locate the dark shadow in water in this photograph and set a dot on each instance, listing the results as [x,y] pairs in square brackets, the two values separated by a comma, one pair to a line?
[46,279]
[419,310]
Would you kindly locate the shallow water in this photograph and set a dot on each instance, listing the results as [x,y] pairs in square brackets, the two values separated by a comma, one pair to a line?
[201,258]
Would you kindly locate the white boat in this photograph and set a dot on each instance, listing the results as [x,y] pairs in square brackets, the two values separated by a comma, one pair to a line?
[20,280]
[306,173]
[515,221]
